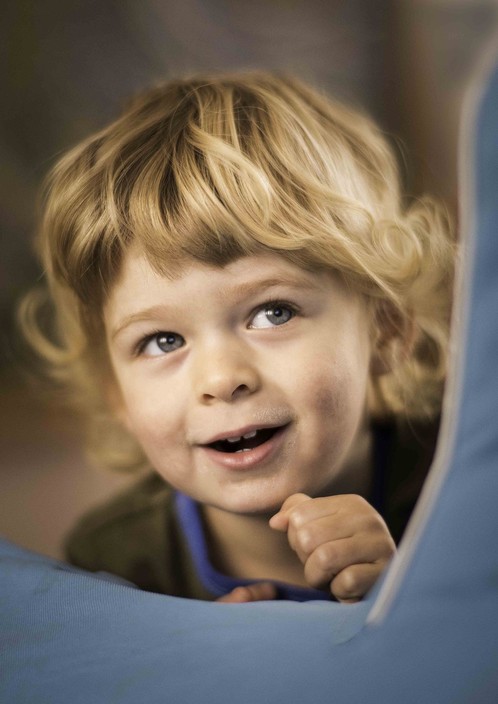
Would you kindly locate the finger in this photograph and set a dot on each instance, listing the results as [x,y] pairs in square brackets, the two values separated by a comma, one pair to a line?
[298,510]
[305,537]
[304,540]
[332,557]
[280,521]
[261,591]
[354,582]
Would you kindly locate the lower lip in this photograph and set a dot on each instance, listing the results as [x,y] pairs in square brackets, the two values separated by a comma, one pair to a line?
[249,458]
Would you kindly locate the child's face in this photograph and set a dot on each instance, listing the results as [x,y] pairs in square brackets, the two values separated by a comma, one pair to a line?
[259,348]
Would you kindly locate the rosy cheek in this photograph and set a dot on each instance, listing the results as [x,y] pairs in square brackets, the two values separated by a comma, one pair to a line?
[328,400]
[337,398]
[329,390]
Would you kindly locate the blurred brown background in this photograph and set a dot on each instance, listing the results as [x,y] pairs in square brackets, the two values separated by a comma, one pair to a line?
[68,65]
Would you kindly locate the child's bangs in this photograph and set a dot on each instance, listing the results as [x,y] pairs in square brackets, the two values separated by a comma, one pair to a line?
[209,202]
[230,173]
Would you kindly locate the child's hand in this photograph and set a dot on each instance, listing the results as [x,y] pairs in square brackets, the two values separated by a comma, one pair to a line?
[341,540]
[261,591]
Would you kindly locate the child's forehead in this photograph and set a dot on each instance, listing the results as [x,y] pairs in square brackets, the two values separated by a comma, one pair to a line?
[243,277]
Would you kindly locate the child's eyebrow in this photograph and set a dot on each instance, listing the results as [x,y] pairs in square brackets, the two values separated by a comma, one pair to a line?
[138,317]
[241,290]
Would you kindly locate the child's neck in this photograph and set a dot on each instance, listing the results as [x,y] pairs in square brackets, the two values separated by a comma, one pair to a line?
[245,546]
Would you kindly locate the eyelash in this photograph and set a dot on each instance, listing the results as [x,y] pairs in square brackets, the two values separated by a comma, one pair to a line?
[139,348]
[144,341]
[277,303]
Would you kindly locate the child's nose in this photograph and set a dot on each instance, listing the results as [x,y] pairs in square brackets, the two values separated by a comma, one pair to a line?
[225,372]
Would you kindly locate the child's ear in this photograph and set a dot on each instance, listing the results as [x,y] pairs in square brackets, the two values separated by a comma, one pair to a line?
[393,339]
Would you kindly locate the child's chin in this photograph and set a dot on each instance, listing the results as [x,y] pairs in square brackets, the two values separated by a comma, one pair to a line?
[255,507]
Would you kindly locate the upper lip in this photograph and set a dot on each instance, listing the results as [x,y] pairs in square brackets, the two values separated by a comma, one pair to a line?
[241,431]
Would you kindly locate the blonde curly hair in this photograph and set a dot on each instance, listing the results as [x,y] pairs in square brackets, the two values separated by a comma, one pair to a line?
[213,168]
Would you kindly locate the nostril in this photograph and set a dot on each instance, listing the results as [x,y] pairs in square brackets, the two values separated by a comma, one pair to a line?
[240,390]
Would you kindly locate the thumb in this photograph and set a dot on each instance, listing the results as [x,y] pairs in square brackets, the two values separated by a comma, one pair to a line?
[280,521]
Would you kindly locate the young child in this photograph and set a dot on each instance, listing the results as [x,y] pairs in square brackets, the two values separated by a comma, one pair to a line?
[243,304]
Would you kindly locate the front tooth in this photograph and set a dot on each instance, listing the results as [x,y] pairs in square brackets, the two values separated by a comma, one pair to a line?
[250,435]
[235,439]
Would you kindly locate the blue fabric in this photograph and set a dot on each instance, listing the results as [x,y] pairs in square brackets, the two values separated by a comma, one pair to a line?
[430,635]
[215,582]
[70,636]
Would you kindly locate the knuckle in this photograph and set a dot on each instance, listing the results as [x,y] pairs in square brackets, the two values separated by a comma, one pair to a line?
[305,539]
[324,556]
[295,520]
[347,583]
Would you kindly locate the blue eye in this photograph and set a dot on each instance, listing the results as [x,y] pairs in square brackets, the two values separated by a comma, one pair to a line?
[271,315]
[161,343]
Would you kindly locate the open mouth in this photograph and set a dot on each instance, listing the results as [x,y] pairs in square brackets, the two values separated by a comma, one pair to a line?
[246,442]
